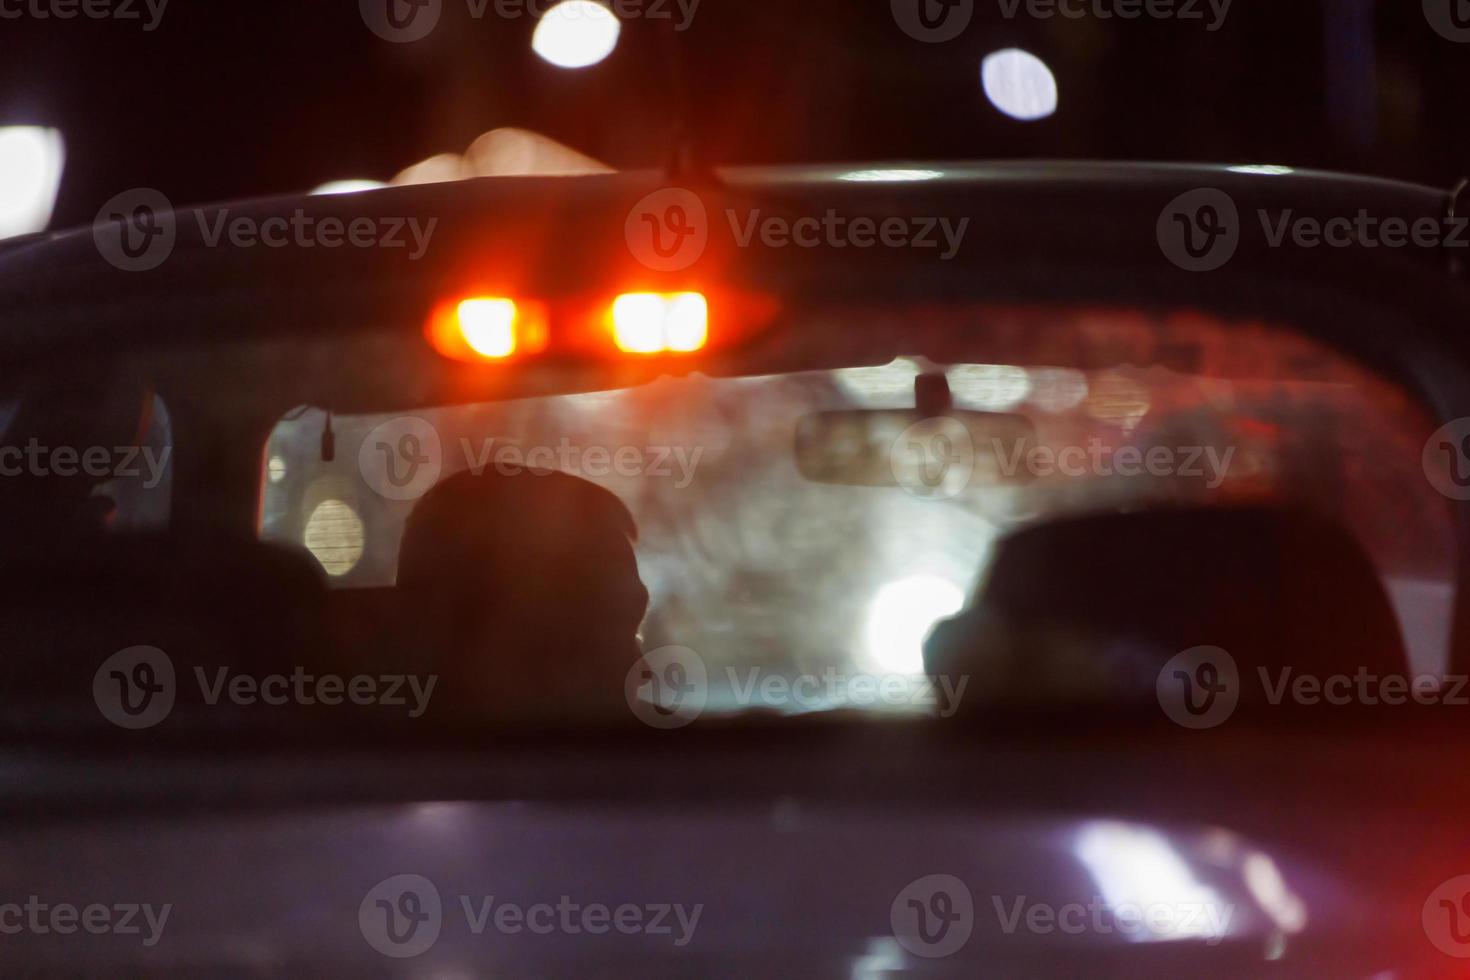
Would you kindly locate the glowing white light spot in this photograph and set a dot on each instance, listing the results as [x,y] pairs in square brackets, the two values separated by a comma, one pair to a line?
[883,386]
[646,323]
[686,321]
[276,469]
[1138,870]
[334,534]
[347,186]
[989,387]
[1057,389]
[638,320]
[1262,168]
[890,176]
[488,326]
[31,158]
[900,617]
[1019,84]
[576,33]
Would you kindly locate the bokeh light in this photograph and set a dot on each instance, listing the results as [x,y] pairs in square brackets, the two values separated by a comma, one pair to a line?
[489,326]
[889,176]
[647,323]
[31,159]
[576,34]
[1019,84]
[900,616]
[334,534]
[347,186]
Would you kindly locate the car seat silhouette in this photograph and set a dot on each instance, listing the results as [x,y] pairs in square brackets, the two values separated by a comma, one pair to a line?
[525,591]
[1092,607]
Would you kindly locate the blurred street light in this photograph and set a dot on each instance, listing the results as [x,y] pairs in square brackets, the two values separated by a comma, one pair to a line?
[31,159]
[576,34]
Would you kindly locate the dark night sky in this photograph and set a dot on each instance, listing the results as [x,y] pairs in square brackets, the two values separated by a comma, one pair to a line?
[230,99]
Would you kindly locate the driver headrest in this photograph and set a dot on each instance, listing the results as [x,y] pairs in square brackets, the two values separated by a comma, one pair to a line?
[1275,587]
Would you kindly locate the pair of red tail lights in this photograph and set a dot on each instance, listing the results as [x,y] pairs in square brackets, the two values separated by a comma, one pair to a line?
[493,328]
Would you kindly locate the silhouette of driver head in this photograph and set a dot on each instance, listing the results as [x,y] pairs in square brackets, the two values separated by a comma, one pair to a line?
[528,593]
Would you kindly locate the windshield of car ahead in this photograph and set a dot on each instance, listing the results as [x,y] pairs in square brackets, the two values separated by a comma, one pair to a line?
[788,543]
[1056,512]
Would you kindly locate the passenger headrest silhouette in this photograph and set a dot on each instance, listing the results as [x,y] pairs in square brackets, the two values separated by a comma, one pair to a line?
[526,589]
[1274,587]
[47,499]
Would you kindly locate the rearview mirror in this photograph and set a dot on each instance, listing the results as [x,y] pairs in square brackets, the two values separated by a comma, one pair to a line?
[932,456]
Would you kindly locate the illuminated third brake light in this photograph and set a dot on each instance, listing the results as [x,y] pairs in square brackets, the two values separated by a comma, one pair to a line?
[488,326]
[686,322]
[650,323]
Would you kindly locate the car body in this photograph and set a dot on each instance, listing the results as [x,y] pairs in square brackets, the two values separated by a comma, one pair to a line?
[1326,841]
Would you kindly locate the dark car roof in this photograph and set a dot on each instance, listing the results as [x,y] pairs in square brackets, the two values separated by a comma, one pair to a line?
[1059,230]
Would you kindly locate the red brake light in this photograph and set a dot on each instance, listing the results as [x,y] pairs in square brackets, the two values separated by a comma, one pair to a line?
[654,323]
[480,328]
